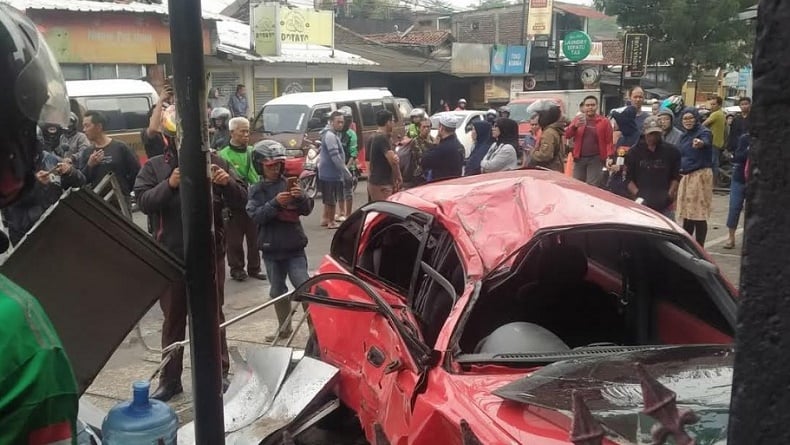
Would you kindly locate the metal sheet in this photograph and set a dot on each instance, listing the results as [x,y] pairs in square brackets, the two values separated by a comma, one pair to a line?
[256,382]
[103,273]
[309,379]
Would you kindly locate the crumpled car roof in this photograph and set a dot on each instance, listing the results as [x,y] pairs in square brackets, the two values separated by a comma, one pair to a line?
[500,212]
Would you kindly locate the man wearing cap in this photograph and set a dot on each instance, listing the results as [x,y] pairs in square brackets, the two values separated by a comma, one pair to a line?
[461,105]
[653,169]
[446,159]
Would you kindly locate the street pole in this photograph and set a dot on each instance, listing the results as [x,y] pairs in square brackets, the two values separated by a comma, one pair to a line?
[760,410]
[186,40]
[523,21]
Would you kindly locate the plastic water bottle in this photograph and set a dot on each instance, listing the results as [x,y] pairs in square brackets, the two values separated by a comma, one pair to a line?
[140,421]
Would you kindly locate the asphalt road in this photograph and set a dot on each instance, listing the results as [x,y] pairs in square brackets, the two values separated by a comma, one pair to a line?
[137,357]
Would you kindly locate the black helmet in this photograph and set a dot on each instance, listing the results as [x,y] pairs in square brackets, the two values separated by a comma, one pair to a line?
[34,92]
[547,110]
[72,128]
[267,151]
[220,113]
[504,109]
[50,134]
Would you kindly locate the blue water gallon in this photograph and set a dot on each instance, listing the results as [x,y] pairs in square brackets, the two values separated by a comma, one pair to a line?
[140,421]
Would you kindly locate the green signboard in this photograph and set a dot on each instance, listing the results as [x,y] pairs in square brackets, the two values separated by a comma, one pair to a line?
[576,46]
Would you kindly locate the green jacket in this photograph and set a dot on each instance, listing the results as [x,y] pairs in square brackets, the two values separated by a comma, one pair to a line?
[38,391]
[241,161]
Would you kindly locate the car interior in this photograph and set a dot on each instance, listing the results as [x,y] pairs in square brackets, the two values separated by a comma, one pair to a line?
[577,289]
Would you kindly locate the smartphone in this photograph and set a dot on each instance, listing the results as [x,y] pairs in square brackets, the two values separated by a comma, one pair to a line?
[292,182]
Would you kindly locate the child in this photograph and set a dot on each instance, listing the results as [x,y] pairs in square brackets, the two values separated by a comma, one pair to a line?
[275,205]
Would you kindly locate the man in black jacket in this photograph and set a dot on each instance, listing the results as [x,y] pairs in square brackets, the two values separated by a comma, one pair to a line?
[156,189]
[281,239]
[446,159]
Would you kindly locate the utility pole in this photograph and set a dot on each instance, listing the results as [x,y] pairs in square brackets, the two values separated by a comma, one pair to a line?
[186,40]
[760,409]
[523,22]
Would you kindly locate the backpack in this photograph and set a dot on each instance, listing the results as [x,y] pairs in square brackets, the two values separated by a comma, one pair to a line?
[407,167]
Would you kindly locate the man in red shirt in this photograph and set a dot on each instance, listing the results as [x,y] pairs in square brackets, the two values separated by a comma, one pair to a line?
[592,142]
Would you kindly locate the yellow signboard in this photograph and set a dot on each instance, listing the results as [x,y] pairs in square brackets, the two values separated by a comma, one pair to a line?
[274,25]
[539,18]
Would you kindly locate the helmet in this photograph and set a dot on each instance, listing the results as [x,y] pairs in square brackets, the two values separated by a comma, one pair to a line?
[346,110]
[170,121]
[50,134]
[462,101]
[72,128]
[220,113]
[417,112]
[504,109]
[491,111]
[267,151]
[547,110]
[34,93]
[673,103]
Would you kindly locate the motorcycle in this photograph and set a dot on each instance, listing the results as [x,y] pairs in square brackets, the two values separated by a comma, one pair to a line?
[308,179]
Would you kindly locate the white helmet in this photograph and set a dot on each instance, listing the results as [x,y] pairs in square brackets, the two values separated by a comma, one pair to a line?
[417,112]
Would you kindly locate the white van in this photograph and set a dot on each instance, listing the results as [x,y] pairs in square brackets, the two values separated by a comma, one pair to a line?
[125,102]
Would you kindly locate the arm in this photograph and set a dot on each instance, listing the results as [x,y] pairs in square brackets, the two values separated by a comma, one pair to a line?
[234,194]
[544,151]
[152,195]
[572,130]
[431,159]
[132,164]
[156,117]
[304,205]
[335,152]
[74,179]
[674,167]
[631,168]
[353,144]
[259,210]
[608,135]
[741,153]
[392,158]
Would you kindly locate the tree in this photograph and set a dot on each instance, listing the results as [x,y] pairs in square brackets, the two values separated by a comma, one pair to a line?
[694,34]
[488,4]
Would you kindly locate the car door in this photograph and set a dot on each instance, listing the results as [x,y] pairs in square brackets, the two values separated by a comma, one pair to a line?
[381,367]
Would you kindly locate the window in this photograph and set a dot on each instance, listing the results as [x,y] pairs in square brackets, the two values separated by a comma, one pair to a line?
[284,118]
[131,71]
[123,113]
[344,243]
[391,108]
[319,117]
[323,84]
[368,110]
[291,86]
[104,71]
[391,252]
[74,71]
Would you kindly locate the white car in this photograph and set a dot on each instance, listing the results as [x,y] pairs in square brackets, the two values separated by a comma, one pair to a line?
[466,117]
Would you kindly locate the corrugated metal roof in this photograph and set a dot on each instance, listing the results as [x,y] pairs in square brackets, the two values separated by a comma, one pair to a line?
[418,38]
[580,10]
[98,6]
[313,54]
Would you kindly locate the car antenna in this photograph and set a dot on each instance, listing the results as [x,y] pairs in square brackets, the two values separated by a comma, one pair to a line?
[661,404]
[585,429]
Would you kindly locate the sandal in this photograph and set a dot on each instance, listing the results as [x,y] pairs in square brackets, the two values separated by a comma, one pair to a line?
[333,225]
[729,245]
[340,218]
[324,223]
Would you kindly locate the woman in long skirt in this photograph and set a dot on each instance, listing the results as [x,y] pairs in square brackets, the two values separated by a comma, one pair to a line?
[695,193]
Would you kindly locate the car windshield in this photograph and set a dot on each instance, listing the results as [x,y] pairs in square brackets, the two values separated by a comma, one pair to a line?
[518,111]
[284,118]
[578,289]
[435,118]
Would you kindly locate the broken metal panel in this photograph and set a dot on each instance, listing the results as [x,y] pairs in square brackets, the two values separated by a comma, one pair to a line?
[95,273]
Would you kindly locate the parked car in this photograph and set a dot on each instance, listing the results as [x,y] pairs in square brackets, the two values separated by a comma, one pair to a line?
[125,102]
[477,310]
[463,132]
[291,118]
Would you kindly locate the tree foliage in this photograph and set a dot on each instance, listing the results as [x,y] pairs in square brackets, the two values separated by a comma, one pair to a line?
[694,34]
[488,4]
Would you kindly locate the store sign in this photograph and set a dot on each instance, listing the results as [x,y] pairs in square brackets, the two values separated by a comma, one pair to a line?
[516,58]
[498,59]
[273,25]
[539,18]
[635,55]
[576,46]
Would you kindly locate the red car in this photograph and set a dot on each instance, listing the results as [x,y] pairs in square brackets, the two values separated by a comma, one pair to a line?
[512,308]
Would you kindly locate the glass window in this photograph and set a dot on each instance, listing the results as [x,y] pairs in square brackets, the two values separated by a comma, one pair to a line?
[291,86]
[324,84]
[368,110]
[284,118]
[104,71]
[123,113]
[131,71]
[391,108]
[319,117]
[73,71]
[391,245]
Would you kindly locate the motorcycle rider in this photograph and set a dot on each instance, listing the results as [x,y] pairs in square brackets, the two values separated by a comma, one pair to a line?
[50,138]
[504,111]
[220,117]
[549,152]
[415,117]
[491,116]
[75,140]
[39,391]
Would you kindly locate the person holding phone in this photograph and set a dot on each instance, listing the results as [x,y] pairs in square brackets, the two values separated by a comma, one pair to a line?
[695,194]
[276,204]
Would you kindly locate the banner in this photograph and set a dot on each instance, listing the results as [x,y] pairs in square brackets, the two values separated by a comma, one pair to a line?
[539,18]
[498,59]
[516,56]
[635,55]
[274,25]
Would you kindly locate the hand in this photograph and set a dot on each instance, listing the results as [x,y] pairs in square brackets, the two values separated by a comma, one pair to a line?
[609,162]
[581,122]
[283,198]
[697,143]
[64,168]
[297,193]
[396,184]
[397,159]
[175,179]
[219,176]
[43,177]
[167,93]
[95,158]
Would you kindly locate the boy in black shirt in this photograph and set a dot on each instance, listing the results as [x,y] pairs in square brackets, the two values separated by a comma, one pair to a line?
[653,170]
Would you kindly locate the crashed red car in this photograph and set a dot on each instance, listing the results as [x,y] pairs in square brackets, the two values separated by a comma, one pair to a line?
[513,308]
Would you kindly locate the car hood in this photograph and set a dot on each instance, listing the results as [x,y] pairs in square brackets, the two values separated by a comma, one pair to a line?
[539,404]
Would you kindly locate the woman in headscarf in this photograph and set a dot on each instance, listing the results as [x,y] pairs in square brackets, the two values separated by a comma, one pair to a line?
[481,134]
[502,155]
[695,193]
